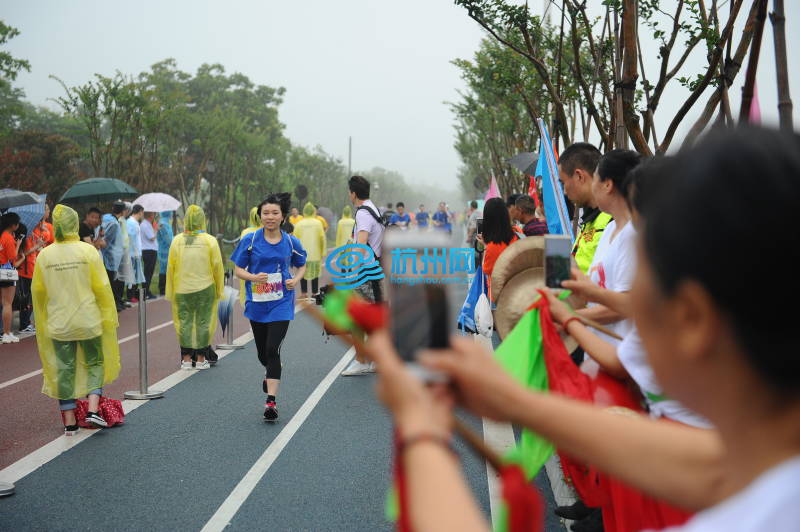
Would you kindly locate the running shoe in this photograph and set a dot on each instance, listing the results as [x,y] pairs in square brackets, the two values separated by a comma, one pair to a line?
[203,365]
[29,329]
[10,339]
[71,430]
[95,419]
[270,411]
[186,365]
[357,368]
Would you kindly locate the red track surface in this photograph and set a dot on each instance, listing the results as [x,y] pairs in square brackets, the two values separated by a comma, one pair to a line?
[30,419]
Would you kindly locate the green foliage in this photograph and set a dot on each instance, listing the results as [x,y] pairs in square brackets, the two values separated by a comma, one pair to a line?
[9,65]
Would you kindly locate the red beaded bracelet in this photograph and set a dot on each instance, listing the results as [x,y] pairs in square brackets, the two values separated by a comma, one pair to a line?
[566,323]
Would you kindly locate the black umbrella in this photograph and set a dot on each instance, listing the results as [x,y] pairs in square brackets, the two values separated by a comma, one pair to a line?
[98,190]
[16,198]
[525,162]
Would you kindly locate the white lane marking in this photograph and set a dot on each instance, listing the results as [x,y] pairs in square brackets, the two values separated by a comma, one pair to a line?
[234,501]
[500,437]
[20,378]
[33,461]
[38,371]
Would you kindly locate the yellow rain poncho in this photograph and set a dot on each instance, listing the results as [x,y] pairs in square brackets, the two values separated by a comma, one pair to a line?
[76,316]
[312,235]
[255,225]
[344,229]
[195,281]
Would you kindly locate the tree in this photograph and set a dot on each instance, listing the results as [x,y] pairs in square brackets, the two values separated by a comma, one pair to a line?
[610,87]
[35,160]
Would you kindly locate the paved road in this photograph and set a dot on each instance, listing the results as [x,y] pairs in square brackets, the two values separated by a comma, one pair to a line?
[203,456]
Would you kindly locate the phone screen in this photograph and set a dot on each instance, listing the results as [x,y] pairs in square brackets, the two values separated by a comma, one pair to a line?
[418,308]
[557,259]
[479,226]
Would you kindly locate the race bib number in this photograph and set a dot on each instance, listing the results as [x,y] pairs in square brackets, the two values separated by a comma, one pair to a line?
[272,290]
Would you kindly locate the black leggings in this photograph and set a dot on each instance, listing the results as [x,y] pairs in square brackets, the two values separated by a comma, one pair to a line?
[314,285]
[269,337]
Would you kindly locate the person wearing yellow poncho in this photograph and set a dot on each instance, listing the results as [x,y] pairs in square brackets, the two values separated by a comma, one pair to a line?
[312,235]
[344,229]
[255,225]
[76,321]
[195,282]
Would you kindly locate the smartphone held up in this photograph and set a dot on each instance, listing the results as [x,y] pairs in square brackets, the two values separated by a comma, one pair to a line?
[418,303]
[557,260]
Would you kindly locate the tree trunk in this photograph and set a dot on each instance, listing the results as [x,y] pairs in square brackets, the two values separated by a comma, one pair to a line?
[752,63]
[778,20]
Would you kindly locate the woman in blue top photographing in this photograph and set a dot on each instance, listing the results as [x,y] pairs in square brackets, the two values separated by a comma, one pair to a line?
[263,260]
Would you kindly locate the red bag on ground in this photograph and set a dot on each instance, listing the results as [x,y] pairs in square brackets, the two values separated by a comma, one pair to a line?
[110,410]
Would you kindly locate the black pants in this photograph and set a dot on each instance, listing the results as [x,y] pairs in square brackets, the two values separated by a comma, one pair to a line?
[116,287]
[162,283]
[314,285]
[23,295]
[269,337]
[149,258]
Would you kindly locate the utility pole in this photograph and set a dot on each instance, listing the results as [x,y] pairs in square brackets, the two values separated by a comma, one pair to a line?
[349,157]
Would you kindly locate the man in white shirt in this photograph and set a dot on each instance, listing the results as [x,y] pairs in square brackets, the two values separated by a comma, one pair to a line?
[368,230]
[149,250]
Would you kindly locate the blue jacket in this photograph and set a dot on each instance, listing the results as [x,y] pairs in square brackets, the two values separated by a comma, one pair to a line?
[112,253]
[164,237]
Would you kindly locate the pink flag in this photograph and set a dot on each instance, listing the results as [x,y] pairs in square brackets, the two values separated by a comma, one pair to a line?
[755,110]
[493,191]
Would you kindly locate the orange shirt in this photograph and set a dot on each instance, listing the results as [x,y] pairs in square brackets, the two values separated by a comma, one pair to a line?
[490,255]
[40,237]
[9,247]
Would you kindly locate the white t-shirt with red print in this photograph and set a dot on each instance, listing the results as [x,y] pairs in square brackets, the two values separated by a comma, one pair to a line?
[613,268]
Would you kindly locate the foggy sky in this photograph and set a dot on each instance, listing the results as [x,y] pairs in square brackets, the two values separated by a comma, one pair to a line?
[376,70]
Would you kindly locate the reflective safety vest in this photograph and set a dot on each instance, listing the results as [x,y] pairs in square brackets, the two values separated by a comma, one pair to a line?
[593,223]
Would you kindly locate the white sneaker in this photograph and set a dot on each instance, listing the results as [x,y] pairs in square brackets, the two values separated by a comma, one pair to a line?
[29,329]
[10,339]
[357,368]
[186,365]
[202,365]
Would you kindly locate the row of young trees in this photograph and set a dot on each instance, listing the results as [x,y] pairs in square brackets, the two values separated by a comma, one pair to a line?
[208,137]
[583,72]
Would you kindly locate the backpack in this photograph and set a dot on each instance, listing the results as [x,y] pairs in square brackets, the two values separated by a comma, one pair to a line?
[384,221]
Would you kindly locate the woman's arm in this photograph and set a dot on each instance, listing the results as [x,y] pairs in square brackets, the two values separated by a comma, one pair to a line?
[241,273]
[679,464]
[438,496]
[603,352]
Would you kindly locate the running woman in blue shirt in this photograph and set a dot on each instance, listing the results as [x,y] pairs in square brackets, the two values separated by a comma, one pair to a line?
[263,259]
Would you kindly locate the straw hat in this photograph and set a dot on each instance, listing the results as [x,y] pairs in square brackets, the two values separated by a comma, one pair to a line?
[519,256]
[518,294]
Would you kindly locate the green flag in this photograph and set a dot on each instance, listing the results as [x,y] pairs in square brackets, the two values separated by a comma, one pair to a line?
[522,355]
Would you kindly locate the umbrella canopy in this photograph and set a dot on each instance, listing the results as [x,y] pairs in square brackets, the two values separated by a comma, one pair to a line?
[31,214]
[98,190]
[525,162]
[225,308]
[15,198]
[157,202]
